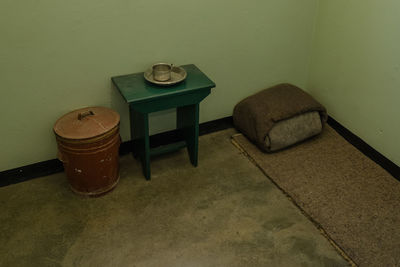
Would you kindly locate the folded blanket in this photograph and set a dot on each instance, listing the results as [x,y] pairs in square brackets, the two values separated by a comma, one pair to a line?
[256,115]
[291,131]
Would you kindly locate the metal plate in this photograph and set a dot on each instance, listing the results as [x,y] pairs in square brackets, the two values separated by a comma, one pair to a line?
[178,74]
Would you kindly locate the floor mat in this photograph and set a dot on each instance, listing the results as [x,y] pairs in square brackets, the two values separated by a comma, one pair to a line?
[354,200]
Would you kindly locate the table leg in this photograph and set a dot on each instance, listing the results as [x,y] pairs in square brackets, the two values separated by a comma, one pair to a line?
[187,120]
[140,139]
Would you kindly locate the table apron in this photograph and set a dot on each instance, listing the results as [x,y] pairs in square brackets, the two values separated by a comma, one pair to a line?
[172,101]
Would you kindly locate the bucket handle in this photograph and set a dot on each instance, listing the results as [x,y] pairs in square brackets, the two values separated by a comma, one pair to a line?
[82,115]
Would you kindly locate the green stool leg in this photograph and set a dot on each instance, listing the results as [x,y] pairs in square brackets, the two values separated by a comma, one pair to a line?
[188,122]
[140,138]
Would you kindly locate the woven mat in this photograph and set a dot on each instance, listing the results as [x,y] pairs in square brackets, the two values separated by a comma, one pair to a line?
[354,200]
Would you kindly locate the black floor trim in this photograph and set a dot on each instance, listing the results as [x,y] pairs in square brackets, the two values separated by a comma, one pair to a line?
[366,149]
[29,172]
[48,167]
[52,166]
[173,136]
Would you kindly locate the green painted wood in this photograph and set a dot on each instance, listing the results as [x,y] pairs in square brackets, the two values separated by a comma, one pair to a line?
[140,133]
[172,101]
[187,120]
[144,98]
[135,89]
[167,148]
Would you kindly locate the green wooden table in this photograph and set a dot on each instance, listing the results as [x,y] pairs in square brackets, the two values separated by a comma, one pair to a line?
[144,98]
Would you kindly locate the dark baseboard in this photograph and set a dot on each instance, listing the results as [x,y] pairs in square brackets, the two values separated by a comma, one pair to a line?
[52,166]
[174,136]
[29,172]
[48,167]
[366,149]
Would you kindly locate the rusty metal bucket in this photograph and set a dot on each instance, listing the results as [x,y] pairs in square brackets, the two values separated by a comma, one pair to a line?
[88,141]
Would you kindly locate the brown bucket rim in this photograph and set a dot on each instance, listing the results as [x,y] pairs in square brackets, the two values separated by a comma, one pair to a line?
[92,139]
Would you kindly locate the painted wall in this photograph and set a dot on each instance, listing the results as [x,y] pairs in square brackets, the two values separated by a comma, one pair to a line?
[56,56]
[355,69]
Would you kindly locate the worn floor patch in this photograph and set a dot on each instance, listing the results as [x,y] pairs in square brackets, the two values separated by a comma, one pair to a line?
[222,213]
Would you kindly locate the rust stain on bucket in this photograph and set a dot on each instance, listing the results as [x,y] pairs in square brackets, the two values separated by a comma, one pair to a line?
[88,141]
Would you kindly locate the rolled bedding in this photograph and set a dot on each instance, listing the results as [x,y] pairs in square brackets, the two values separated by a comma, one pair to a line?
[279,117]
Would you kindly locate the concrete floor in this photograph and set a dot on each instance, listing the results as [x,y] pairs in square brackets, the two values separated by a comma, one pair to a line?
[225,212]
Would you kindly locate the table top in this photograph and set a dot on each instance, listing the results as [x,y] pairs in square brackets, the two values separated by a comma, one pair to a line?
[134,87]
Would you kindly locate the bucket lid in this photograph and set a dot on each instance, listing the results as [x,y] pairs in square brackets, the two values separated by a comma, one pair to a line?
[86,123]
